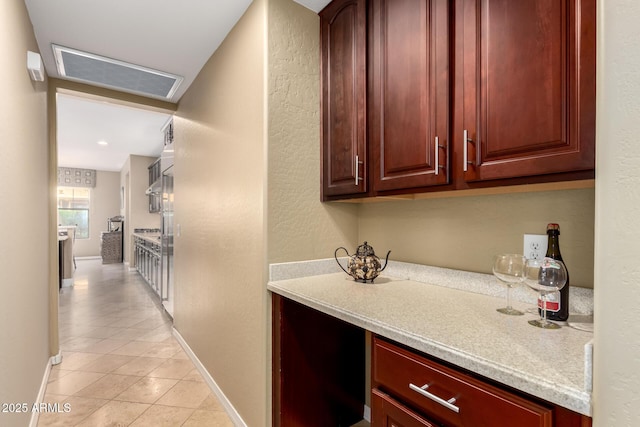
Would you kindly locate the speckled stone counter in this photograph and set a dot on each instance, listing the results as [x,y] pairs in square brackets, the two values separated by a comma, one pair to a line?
[459,326]
[151,237]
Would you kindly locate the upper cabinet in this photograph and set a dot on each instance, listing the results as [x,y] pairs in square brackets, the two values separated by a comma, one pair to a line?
[409,93]
[430,95]
[154,187]
[527,87]
[343,37]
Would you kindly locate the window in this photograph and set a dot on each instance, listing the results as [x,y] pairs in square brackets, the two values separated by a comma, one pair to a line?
[73,209]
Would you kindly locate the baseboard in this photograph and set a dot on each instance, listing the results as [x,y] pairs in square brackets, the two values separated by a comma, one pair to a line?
[82,258]
[229,409]
[35,415]
[367,413]
[67,283]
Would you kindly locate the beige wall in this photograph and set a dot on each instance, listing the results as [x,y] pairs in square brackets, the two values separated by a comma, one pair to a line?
[24,252]
[467,232]
[617,276]
[220,268]
[300,226]
[105,203]
[134,177]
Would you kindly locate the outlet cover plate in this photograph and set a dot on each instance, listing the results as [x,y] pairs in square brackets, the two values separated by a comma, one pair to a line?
[535,246]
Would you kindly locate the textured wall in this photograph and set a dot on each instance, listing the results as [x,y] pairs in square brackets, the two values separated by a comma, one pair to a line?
[300,226]
[105,203]
[467,232]
[220,254]
[24,251]
[617,276]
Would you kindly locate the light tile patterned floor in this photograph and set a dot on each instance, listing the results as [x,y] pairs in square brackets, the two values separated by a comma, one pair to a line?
[121,366]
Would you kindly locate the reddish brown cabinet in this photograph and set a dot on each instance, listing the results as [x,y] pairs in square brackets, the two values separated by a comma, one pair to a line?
[388,412]
[343,64]
[450,397]
[435,95]
[319,377]
[409,93]
[526,84]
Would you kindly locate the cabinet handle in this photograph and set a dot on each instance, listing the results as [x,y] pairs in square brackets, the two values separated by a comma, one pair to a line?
[358,163]
[465,154]
[449,404]
[437,156]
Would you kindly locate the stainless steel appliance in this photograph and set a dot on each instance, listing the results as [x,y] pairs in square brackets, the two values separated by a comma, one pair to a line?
[166,230]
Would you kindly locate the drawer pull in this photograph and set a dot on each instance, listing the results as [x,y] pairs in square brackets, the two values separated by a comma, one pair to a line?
[449,404]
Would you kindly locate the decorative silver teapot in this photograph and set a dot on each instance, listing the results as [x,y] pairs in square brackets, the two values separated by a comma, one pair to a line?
[364,264]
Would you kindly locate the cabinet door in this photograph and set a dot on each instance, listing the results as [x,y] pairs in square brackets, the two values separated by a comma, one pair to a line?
[387,412]
[409,87]
[528,87]
[343,57]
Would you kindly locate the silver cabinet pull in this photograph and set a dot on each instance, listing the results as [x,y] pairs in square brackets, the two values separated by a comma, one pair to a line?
[437,156]
[358,163]
[465,151]
[449,404]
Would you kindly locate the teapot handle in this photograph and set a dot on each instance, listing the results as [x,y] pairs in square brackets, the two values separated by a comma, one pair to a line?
[386,261]
[335,255]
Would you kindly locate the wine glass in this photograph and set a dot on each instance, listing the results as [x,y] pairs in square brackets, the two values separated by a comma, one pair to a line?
[509,269]
[546,276]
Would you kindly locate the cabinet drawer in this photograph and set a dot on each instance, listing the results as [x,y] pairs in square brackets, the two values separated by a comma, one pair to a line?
[390,413]
[448,396]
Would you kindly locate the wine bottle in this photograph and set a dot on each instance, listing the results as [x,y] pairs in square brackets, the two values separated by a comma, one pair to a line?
[557,302]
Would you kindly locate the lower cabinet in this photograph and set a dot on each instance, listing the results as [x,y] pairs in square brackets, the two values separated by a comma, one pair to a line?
[388,412]
[318,368]
[320,376]
[147,260]
[412,390]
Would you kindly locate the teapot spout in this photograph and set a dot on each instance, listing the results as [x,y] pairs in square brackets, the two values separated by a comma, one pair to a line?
[386,261]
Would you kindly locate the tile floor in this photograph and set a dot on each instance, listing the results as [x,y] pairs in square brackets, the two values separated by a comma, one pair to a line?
[121,366]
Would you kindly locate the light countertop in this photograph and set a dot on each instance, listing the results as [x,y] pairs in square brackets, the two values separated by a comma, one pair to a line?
[153,237]
[458,326]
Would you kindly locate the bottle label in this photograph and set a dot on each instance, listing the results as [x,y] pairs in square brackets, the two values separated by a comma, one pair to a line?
[553,302]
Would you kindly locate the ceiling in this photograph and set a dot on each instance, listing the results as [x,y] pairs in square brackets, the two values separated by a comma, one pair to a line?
[164,35]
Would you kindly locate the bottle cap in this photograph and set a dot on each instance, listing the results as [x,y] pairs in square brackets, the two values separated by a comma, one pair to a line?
[552,226]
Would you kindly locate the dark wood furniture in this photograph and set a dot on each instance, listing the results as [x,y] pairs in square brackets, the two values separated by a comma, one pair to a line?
[318,368]
[507,88]
[343,37]
[445,396]
[526,84]
[319,380]
[409,93]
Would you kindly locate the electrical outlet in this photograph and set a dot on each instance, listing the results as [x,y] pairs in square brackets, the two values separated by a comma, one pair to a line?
[535,246]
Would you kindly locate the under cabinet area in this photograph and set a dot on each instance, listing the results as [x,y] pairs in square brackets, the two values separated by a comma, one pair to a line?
[440,95]
[318,365]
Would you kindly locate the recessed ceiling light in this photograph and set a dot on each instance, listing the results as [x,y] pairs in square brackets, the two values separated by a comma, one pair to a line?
[103,143]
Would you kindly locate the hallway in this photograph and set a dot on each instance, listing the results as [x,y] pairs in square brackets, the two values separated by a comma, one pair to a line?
[121,365]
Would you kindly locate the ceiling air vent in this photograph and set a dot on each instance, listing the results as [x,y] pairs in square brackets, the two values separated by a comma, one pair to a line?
[106,72]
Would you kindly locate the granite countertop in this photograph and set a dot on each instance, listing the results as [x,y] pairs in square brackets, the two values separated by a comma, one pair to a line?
[452,316]
[153,237]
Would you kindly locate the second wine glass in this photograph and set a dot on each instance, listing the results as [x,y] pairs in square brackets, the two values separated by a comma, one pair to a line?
[546,276]
[509,269]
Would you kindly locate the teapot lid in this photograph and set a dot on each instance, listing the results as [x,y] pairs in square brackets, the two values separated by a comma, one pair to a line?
[365,250]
